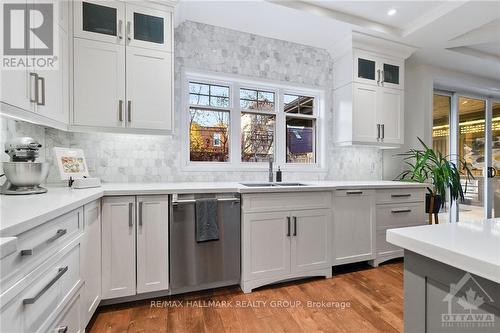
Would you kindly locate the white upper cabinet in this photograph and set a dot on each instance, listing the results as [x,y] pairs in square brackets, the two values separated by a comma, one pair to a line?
[100,20]
[369,91]
[99,84]
[148,28]
[149,104]
[123,54]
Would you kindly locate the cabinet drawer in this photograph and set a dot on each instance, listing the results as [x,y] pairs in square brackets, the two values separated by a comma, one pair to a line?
[383,246]
[39,301]
[400,195]
[285,201]
[38,244]
[400,215]
[70,321]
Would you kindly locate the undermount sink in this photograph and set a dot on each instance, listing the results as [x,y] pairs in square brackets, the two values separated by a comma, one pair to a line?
[271,184]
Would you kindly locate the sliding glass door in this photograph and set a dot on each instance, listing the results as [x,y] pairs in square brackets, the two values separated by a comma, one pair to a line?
[469,128]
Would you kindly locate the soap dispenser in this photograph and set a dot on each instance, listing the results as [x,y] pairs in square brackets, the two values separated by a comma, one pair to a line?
[278,175]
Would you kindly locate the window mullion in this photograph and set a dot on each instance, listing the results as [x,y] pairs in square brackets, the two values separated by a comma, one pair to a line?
[235,126]
[280,135]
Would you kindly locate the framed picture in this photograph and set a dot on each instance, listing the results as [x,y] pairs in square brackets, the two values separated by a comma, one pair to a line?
[71,163]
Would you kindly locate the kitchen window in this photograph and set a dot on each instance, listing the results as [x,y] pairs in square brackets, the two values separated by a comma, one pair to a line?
[244,124]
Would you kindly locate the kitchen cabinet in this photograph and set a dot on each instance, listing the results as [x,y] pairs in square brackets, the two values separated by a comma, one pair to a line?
[134,245]
[378,70]
[370,115]
[118,247]
[152,243]
[123,54]
[99,84]
[353,226]
[281,244]
[91,260]
[41,95]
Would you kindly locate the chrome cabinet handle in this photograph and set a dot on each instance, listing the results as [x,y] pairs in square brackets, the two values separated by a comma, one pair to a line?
[400,195]
[378,132]
[140,213]
[120,110]
[378,76]
[62,329]
[129,28]
[120,28]
[295,225]
[396,211]
[288,226]
[354,192]
[33,83]
[59,233]
[382,80]
[383,131]
[42,80]
[130,217]
[60,273]
[129,110]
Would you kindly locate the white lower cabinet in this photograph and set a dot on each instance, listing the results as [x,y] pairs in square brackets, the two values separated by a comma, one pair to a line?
[279,245]
[70,320]
[152,243]
[353,226]
[91,260]
[134,245]
[118,246]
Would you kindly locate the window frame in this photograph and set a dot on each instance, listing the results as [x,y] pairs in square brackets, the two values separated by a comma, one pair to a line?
[235,83]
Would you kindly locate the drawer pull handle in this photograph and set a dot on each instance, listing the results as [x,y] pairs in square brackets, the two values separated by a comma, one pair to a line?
[395,211]
[401,195]
[62,329]
[295,225]
[130,214]
[140,213]
[60,273]
[354,192]
[288,226]
[59,233]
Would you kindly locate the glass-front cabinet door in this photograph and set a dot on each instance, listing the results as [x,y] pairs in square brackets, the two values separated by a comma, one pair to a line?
[391,73]
[100,20]
[365,68]
[148,28]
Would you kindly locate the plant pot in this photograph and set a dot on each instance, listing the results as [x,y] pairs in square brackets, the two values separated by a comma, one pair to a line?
[437,203]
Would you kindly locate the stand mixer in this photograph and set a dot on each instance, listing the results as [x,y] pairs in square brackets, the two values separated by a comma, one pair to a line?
[23,174]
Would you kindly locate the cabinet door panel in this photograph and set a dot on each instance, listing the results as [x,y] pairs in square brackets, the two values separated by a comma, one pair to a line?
[266,249]
[353,226]
[393,73]
[53,86]
[149,89]
[364,113]
[365,68]
[152,243]
[311,239]
[91,260]
[149,28]
[390,113]
[118,247]
[100,21]
[99,84]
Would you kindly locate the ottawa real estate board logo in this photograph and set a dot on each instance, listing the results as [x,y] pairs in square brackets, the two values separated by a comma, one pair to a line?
[465,307]
[29,35]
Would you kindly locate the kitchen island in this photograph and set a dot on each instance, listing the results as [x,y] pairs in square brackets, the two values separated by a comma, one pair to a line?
[451,276]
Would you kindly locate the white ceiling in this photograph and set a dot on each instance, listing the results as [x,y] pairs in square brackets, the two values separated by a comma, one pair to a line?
[460,35]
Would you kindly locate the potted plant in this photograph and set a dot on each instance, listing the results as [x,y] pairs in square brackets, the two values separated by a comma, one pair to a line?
[427,166]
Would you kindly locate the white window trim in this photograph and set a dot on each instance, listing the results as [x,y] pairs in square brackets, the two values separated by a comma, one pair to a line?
[235,82]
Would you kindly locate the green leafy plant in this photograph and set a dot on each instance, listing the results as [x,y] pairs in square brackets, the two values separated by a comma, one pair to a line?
[427,166]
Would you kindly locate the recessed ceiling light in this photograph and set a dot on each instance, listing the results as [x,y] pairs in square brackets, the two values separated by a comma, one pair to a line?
[391,11]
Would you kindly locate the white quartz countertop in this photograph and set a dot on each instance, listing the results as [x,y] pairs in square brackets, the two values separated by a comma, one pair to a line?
[23,212]
[470,246]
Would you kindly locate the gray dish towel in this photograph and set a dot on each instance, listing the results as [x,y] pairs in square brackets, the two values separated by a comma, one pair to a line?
[206,220]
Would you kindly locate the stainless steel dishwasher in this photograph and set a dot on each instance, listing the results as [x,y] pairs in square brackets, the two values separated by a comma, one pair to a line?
[205,265]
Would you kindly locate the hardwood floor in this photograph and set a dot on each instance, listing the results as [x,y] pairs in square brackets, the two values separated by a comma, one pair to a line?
[373,302]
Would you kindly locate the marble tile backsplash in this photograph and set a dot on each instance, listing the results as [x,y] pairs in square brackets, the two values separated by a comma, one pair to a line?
[150,158]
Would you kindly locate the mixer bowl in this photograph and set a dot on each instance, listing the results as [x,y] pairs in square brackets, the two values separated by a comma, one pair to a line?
[25,174]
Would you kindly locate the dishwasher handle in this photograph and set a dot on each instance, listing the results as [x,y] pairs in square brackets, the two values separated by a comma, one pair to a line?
[190,201]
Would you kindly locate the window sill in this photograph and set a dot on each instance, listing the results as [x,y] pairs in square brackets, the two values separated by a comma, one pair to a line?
[260,167]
